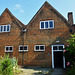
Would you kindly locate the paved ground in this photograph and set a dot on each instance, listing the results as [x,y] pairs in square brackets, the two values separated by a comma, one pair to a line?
[34,71]
[58,71]
[41,71]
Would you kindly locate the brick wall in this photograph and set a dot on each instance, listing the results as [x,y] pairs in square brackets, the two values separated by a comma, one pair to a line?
[11,38]
[34,36]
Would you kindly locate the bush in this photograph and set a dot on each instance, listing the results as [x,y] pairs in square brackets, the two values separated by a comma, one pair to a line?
[70,56]
[6,65]
[71,70]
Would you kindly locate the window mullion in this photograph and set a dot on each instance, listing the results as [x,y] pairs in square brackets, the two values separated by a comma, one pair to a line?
[48,24]
[8,48]
[39,47]
[23,47]
[6,28]
[44,25]
[2,28]
[58,47]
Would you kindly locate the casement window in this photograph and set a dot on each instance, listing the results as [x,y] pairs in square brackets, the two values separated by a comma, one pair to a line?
[46,24]
[8,48]
[39,48]
[4,28]
[23,48]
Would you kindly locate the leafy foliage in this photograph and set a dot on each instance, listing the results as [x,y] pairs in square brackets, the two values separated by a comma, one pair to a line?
[6,65]
[70,55]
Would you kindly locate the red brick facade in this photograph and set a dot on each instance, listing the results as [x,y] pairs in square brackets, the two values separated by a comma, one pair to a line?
[34,36]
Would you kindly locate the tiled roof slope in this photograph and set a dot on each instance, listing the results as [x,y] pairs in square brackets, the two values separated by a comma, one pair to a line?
[20,24]
[53,10]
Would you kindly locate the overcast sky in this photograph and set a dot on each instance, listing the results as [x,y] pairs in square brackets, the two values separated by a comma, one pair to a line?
[24,10]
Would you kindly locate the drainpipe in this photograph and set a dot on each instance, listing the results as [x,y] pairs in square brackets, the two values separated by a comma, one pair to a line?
[23,31]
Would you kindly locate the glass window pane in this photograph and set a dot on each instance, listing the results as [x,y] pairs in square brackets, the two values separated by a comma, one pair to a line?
[41,47]
[4,28]
[6,48]
[8,27]
[10,48]
[25,47]
[1,28]
[21,47]
[51,24]
[37,47]
[42,24]
[60,47]
[46,24]
[54,47]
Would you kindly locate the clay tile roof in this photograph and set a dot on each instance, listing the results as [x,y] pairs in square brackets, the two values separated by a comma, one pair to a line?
[53,10]
[20,24]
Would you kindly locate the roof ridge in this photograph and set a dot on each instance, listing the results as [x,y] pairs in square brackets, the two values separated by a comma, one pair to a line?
[62,17]
[21,25]
[58,12]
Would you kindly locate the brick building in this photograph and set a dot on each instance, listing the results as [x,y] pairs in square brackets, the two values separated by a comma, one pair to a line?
[41,42]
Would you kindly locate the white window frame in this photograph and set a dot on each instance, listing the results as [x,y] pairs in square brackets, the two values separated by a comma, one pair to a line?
[3,28]
[9,49]
[48,24]
[53,55]
[39,48]
[22,46]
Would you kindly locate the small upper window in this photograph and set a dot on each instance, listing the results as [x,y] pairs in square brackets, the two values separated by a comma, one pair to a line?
[8,48]
[39,47]
[23,48]
[47,24]
[58,47]
[5,28]
[55,48]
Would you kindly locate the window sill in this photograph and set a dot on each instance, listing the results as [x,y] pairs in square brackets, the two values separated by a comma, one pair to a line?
[8,51]
[5,32]
[46,28]
[23,51]
[39,50]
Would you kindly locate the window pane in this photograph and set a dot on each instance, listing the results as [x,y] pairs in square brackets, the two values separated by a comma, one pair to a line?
[8,28]
[60,47]
[10,48]
[25,47]
[41,47]
[42,24]
[46,24]
[37,47]
[1,28]
[21,47]
[51,24]
[6,48]
[4,28]
[54,47]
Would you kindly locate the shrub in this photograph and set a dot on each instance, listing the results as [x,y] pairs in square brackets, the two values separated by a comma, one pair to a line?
[6,65]
[70,56]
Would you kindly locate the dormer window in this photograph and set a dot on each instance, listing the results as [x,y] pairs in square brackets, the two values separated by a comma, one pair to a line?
[4,28]
[47,24]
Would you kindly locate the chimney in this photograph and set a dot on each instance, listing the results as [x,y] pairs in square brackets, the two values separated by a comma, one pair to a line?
[70,18]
